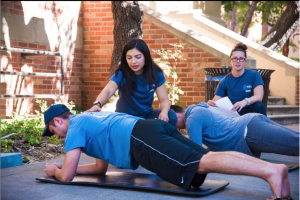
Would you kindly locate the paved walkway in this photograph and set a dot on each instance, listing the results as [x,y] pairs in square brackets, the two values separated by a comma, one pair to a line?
[19,183]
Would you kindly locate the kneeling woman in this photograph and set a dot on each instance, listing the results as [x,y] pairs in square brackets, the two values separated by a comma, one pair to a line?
[244,87]
[137,78]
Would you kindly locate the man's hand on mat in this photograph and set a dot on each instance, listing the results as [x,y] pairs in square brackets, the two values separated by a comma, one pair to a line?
[50,169]
[93,109]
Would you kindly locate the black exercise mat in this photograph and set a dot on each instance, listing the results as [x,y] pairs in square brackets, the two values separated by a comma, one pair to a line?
[140,181]
[291,165]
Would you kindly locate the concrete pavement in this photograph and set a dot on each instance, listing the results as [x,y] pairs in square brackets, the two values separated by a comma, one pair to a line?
[19,183]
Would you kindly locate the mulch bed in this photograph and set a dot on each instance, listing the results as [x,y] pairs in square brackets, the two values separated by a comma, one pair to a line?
[33,154]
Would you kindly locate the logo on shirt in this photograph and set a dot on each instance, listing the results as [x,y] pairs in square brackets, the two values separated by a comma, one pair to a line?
[247,88]
[98,114]
[152,88]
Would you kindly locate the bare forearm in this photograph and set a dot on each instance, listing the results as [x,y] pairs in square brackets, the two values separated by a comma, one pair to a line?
[65,172]
[90,169]
[255,98]
[216,97]
[61,176]
[110,88]
[103,97]
[258,94]
[165,106]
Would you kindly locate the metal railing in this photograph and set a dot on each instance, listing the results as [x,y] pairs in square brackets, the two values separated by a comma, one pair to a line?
[25,53]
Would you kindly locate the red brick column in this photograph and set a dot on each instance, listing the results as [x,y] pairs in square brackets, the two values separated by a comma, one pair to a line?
[297,90]
[98,46]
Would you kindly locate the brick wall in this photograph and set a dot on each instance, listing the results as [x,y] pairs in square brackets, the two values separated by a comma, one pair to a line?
[98,46]
[11,61]
[13,84]
[13,7]
[297,90]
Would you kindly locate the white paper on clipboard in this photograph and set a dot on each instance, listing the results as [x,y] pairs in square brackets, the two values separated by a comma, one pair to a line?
[225,106]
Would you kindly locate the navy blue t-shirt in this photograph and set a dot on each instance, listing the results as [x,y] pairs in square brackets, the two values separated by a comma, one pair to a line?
[140,103]
[239,88]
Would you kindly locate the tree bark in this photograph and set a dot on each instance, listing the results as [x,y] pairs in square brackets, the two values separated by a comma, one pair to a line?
[233,16]
[128,19]
[283,28]
[249,18]
[285,49]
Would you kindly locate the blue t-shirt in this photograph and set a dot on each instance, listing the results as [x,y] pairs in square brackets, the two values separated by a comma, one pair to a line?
[141,101]
[239,88]
[103,135]
[217,130]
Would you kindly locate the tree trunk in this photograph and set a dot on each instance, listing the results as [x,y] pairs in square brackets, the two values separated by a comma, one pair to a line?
[128,19]
[285,49]
[233,17]
[283,28]
[249,18]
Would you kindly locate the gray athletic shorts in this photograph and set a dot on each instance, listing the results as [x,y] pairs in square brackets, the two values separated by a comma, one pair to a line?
[159,147]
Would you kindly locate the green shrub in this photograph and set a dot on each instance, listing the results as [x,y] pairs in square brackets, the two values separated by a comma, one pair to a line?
[7,145]
[53,140]
[28,130]
[170,70]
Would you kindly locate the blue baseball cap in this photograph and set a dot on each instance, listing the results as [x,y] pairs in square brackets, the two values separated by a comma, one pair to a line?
[52,112]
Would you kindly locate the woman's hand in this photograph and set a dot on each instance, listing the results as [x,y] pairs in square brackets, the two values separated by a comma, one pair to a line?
[238,106]
[211,103]
[94,108]
[110,88]
[163,116]
[164,102]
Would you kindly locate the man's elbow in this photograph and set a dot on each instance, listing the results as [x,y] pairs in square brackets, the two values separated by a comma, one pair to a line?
[102,170]
[67,178]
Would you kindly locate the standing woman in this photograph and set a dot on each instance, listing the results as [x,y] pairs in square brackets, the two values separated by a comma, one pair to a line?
[244,87]
[137,77]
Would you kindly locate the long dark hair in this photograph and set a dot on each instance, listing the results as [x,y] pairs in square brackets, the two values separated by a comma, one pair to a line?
[150,69]
[240,47]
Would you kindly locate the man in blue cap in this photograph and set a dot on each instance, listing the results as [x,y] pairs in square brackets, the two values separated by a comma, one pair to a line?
[55,111]
[127,141]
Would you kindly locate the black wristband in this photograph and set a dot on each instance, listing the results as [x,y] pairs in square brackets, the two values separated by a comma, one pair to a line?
[97,103]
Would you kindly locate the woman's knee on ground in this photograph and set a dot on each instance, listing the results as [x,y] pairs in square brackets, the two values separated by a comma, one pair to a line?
[172,117]
[258,107]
